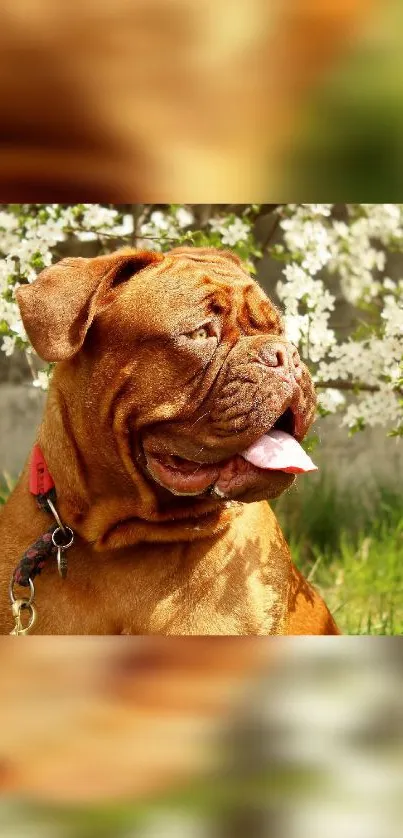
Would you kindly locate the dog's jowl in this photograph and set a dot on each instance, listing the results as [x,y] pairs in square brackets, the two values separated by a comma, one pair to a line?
[175,413]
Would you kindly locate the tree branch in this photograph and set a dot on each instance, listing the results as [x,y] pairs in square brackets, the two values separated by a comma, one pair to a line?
[353,386]
[126,237]
[271,233]
[347,385]
[99,233]
[136,212]
[31,365]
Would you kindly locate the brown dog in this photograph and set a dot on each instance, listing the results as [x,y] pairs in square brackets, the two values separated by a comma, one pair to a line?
[170,367]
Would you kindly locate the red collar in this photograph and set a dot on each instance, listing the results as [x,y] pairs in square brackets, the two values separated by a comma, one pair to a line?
[40,479]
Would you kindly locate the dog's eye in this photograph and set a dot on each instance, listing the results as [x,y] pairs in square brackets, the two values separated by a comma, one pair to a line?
[201,333]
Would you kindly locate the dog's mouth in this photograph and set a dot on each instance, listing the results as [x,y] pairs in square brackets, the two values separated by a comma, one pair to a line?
[274,454]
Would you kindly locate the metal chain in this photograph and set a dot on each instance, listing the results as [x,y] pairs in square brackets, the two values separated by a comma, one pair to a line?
[22,604]
[62,539]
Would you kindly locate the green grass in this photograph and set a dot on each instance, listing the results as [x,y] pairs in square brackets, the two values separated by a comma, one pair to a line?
[7,484]
[350,545]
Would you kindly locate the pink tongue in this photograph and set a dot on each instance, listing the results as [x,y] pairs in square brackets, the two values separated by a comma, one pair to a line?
[280,451]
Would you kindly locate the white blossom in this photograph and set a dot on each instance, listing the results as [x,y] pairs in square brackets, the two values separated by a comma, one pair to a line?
[309,239]
[42,380]
[8,221]
[17,326]
[372,409]
[231,233]
[330,400]
[160,227]
[159,220]
[96,216]
[355,250]
[235,232]
[184,217]
[126,227]
[392,315]
[8,345]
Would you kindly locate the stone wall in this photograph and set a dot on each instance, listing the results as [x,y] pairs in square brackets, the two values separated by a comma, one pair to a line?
[21,408]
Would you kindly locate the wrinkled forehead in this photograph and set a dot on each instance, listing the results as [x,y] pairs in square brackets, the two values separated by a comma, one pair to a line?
[181,289]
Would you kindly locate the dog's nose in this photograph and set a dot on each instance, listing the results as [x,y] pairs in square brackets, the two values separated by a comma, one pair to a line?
[275,354]
[286,358]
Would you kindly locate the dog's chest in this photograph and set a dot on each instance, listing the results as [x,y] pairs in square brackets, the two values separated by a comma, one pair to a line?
[231,585]
[234,584]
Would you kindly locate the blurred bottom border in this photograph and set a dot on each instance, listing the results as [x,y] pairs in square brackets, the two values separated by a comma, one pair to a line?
[283,737]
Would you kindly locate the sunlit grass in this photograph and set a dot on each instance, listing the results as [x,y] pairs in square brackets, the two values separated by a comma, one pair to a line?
[350,546]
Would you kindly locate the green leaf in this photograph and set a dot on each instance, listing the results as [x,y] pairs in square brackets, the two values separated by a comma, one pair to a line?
[358,426]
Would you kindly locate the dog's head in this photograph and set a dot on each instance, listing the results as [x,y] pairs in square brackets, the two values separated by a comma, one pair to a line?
[189,363]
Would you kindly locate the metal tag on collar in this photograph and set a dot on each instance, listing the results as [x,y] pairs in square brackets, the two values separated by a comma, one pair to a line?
[62,538]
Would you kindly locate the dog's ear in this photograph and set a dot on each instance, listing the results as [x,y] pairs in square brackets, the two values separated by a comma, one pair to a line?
[58,308]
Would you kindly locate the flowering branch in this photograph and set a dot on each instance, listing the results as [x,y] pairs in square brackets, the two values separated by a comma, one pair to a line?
[331,257]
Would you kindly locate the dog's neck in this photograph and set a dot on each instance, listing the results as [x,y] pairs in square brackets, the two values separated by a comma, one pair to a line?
[101,502]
